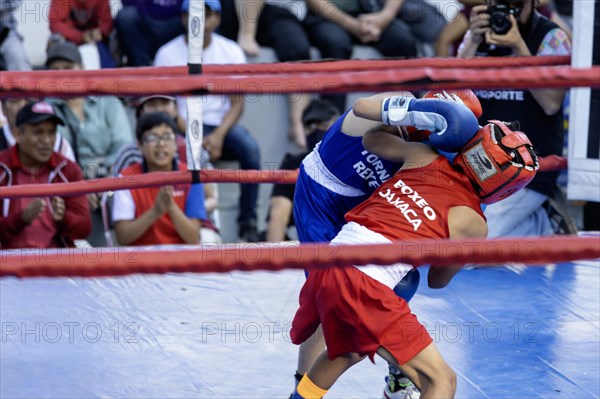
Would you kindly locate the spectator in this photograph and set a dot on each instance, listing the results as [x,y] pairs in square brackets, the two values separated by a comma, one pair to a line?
[317,118]
[452,34]
[162,103]
[270,23]
[96,127]
[539,111]
[454,31]
[165,215]
[130,153]
[395,28]
[10,108]
[223,138]
[40,222]
[12,52]
[145,25]
[83,22]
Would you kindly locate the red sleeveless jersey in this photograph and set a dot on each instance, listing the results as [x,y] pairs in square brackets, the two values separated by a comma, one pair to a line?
[414,203]
[163,230]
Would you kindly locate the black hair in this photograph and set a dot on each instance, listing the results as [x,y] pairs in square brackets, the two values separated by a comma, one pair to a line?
[151,120]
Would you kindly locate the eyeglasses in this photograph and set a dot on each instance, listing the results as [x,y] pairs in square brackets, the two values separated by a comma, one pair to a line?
[152,138]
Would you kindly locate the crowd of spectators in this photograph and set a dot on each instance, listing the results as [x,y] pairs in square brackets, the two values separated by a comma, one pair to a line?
[91,137]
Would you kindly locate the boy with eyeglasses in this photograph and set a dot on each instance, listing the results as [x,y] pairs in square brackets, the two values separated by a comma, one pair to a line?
[158,215]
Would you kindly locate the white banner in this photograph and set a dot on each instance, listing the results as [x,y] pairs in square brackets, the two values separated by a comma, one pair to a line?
[584,129]
[194,132]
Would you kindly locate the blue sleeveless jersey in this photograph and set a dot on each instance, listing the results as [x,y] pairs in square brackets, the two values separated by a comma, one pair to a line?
[348,160]
[335,177]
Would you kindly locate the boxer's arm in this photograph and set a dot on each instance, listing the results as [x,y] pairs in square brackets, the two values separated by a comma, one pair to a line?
[370,107]
[356,125]
[463,223]
[452,123]
[384,143]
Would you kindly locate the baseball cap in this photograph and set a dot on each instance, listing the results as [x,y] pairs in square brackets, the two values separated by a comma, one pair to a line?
[37,112]
[63,51]
[319,111]
[144,100]
[214,5]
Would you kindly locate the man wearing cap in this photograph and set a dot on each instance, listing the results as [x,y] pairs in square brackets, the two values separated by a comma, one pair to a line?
[50,222]
[63,55]
[223,137]
[162,103]
[10,108]
[97,127]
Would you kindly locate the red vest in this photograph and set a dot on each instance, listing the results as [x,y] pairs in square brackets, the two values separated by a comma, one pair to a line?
[414,203]
[163,230]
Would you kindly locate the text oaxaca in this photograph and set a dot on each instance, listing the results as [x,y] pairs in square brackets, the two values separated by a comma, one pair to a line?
[405,207]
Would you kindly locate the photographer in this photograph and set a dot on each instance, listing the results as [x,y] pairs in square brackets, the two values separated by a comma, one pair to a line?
[504,28]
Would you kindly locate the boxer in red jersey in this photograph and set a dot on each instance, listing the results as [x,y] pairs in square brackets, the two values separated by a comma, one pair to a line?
[427,198]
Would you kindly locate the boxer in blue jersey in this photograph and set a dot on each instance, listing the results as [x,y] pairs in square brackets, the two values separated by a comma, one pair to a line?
[340,174]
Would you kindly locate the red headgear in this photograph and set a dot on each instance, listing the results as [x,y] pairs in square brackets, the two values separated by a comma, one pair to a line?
[498,161]
[464,96]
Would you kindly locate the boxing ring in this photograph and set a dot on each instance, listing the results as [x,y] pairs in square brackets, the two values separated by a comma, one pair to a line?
[508,332]
[159,330]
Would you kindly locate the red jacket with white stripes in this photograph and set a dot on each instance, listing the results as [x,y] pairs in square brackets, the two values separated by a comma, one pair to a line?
[44,232]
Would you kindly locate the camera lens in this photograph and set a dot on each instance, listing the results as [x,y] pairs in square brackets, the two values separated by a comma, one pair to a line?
[500,22]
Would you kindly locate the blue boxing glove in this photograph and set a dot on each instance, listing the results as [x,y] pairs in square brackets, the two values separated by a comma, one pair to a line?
[407,287]
[451,124]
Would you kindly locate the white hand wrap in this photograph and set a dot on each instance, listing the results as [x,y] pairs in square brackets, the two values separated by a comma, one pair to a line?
[431,121]
[394,111]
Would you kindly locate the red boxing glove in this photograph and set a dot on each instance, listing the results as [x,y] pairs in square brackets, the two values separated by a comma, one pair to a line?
[465,96]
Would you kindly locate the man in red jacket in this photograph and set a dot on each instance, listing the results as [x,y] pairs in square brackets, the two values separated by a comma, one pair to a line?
[49,222]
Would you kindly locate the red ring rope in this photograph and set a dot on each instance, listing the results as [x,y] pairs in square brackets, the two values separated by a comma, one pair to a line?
[154,179]
[250,257]
[304,67]
[383,80]
[158,179]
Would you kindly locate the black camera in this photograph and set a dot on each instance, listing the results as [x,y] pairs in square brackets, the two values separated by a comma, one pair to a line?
[499,16]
